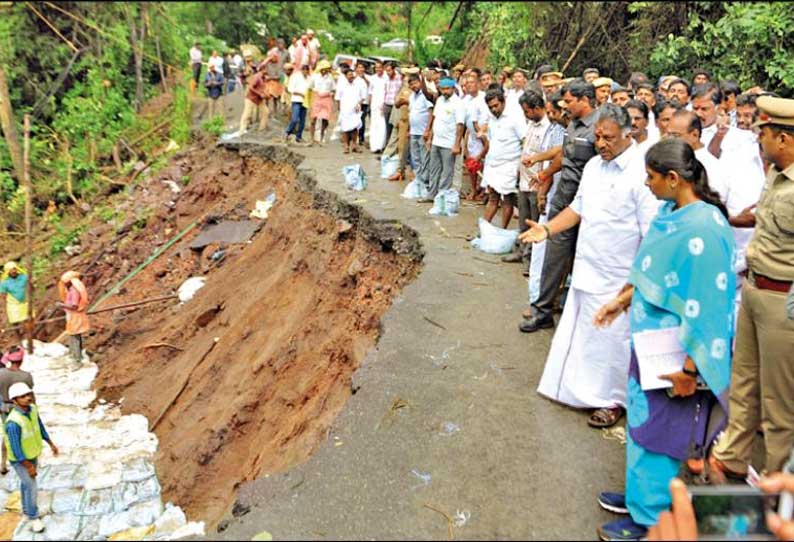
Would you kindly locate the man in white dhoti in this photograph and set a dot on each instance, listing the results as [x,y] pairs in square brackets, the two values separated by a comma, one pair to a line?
[588,367]
[503,158]
[350,97]
[377,93]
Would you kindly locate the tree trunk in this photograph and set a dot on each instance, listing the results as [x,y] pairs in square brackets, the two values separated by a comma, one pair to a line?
[10,129]
[137,49]
[163,79]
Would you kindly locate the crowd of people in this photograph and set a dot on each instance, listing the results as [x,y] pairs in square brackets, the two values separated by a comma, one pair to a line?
[664,214]
[659,215]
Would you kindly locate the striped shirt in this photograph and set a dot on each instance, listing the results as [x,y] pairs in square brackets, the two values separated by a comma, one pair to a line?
[392,88]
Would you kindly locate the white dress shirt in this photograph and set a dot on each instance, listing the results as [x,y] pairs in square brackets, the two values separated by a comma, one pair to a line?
[504,138]
[476,111]
[616,209]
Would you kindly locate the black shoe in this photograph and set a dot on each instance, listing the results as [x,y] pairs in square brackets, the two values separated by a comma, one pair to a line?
[535,323]
[514,257]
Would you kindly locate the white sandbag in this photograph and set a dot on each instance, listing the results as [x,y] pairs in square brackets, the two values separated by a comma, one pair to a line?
[355,178]
[388,166]
[494,240]
[415,190]
[446,203]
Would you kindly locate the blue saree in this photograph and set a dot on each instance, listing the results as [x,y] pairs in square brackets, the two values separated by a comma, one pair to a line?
[684,277]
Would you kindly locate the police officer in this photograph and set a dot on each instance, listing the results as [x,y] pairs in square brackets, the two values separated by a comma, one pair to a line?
[762,374]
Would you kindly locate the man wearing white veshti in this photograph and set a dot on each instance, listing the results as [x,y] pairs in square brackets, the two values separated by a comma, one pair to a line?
[588,367]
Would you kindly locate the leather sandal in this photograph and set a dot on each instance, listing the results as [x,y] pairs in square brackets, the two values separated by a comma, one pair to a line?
[605,417]
[720,474]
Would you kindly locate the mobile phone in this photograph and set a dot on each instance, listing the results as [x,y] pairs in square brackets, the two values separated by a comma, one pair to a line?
[732,512]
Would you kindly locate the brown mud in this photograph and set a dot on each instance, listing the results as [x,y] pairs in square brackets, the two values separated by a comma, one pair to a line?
[246,378]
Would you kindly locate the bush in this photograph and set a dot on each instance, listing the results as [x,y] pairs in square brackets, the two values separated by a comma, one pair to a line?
[63,238]
[749,43]
[214,126]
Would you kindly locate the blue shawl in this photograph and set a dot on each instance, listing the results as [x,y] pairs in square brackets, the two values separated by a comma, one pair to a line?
[686,265]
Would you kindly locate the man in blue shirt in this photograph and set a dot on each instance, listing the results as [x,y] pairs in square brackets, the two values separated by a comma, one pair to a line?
[25,434]
[214,83]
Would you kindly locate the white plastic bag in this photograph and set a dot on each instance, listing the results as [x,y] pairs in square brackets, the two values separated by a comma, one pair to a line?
[388,166]
[415,190]
[494,240]
[446,203]
[355,178]
[189,288]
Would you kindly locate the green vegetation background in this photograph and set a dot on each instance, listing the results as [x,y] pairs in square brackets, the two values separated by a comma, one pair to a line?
[79,114]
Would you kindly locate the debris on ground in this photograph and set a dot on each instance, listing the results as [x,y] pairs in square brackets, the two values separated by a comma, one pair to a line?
[227,231]
[355,178]
[262,207]
[493,239]
[189,288]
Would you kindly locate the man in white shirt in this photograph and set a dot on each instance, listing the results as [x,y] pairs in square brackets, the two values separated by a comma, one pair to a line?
[723,141]
[297,88]
[503,157]
[420,111]
[217,61]
[362,79]
[477,114]
[588,367]
[513,94]
[195,63]
[534,109]
[638,111]
[446,133]
[686,125]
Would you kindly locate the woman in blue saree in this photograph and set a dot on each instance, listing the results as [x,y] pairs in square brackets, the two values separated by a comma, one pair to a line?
[683,277]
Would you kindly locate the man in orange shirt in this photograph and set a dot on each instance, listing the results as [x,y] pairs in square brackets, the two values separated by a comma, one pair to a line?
[74,300]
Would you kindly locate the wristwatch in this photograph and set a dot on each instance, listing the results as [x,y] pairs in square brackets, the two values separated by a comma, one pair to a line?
[548,230]
[689,372]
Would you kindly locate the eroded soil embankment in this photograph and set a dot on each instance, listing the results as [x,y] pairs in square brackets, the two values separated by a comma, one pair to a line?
[247,377]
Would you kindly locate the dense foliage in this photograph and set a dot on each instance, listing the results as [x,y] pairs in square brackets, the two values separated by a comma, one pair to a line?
[83,69]
[746,41]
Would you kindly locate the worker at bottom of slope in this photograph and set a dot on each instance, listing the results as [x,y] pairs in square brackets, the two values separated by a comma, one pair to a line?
[74,300]
[10,373]
[24,438]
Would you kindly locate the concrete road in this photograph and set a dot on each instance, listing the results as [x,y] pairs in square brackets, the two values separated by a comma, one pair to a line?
[444,422]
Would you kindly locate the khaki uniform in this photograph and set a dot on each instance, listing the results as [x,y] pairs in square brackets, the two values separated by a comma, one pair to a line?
[762,373]
[398,142]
